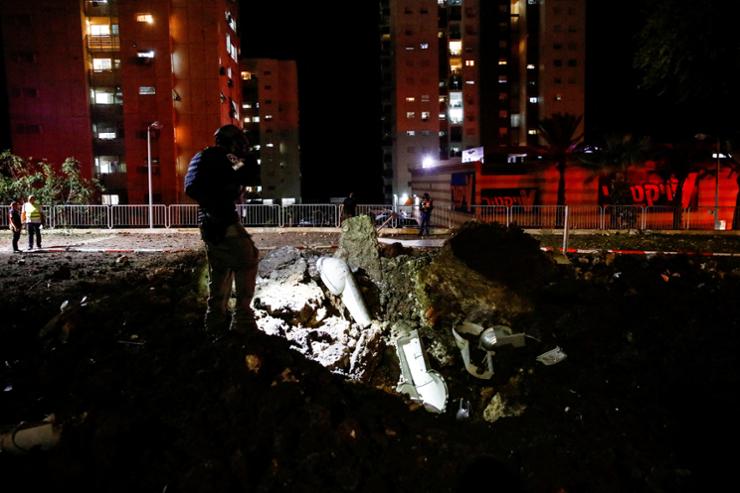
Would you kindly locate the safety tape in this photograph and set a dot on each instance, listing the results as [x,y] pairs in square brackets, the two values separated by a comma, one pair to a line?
[595,251]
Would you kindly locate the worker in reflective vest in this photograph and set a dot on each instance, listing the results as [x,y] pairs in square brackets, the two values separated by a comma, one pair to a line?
[33,217]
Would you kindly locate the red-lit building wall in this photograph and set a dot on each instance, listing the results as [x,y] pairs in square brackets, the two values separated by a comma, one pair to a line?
[140,110]
[46,78]
[205,77]
[538,185]
[189,85]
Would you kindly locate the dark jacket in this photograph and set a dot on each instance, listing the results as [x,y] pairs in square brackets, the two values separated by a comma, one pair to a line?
[14,217]
[212,182]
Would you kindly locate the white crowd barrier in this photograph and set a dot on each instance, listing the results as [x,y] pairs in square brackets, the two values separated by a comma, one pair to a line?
[330,215]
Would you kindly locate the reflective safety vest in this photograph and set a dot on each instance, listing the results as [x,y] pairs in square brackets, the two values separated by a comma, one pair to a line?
[33,212]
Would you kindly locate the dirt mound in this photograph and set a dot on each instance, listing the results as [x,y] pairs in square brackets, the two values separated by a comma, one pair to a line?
[505,254]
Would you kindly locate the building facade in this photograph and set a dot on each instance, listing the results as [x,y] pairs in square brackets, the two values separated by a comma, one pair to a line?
[270,117]
[128,88]
[463,74]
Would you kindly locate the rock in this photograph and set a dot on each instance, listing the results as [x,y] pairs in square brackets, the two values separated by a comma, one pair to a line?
[284,289]
[358,245]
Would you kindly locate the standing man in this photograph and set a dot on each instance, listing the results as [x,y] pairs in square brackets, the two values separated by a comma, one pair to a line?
[349,206]
[15,224]
[215,179]
[425,208]
[33,218]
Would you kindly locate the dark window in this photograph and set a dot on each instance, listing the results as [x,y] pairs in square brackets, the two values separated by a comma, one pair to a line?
[28,128]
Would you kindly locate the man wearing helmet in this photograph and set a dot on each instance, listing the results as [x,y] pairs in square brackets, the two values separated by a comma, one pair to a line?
[215,179]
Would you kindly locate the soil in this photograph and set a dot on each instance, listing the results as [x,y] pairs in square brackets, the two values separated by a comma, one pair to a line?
[110,345]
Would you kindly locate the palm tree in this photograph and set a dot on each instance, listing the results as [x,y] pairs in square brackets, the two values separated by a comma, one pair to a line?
[678,161]
[559,132]
[612,161]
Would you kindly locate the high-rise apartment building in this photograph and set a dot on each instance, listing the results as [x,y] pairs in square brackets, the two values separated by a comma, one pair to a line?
[270,117]
[459,74]
[101,79]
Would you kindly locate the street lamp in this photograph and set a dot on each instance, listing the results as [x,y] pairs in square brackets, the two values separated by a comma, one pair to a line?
[716,180]
[152,126]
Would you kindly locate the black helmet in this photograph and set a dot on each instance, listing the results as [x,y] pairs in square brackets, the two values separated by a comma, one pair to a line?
[231,138]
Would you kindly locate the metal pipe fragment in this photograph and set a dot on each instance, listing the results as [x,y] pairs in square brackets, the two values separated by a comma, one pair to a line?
[19,440]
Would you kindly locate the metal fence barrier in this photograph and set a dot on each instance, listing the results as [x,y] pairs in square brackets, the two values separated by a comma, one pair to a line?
[610,217]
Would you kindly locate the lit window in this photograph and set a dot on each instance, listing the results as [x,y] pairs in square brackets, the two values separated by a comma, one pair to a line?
[255,119]
[147,90]
[110,199]
[108,164]
[106,135]
[145,54]
[455,48]
[532,131]
[558,97]
[502,79]
[100,29]
[530,66]
[230,20]
[102,64]
[425,116]
[533,99]
[268,117]
[409,48]
[470,82]
[410,115]
[516,120]
[247,119]
[442,116]
[102,96]
[269,144]
[471,63]
[424,46]
[456,115]
[148,18]
[410,99]
[503,62]
[246,75]
[410,133]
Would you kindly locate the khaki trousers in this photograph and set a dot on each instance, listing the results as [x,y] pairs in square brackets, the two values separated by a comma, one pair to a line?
[232,261]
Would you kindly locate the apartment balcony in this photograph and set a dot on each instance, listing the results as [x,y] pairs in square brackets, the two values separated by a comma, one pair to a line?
[113,182]
[101,8]
[106,112]
[108,147]
[106,78]
[106,42]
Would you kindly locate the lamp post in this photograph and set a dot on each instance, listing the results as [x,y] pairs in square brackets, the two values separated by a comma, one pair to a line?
[152,126]
[716,190]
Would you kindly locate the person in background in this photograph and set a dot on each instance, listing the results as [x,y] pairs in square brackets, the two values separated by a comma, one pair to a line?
[33,218]
[15,224]
[349,207]
[215,179]
[425,208]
